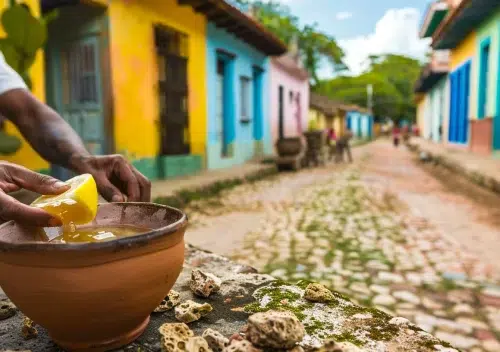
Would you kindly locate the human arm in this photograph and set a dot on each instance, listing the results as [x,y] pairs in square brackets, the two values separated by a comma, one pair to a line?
[54,139]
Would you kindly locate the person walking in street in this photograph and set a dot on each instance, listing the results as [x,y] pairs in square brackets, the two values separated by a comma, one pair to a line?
[396,135]
[342,146]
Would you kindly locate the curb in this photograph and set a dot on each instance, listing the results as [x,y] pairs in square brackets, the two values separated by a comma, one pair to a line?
[474,176]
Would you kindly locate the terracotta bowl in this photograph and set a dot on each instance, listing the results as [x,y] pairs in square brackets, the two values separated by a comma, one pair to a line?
[95,296]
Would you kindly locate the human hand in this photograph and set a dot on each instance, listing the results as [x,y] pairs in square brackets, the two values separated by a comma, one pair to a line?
[117,180]
[13,178]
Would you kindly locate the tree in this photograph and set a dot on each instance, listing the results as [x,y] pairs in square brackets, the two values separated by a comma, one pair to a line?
[314,45]
[392,77]
[353,89]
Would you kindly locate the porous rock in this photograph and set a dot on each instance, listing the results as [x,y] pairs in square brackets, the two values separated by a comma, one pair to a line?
[204,284]
[349,347]
[241,346]
[29,330]
[7,309]
[173,299]
[318,293]
[275,329]
[190,311]
[197,344]
[216,341]
[328,346]
[174,337]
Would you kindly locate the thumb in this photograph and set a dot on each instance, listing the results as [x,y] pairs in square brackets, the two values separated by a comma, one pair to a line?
[36,182]
[108,191]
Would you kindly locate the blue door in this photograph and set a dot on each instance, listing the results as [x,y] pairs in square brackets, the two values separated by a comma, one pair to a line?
[459,104]
[76,92]
[349,122]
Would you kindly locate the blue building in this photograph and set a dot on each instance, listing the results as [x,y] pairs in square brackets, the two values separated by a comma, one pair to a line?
[238,97]
[360,123]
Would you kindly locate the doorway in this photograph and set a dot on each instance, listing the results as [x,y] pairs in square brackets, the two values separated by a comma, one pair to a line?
[281,112]
[74,84]
[221,103]
[171,49]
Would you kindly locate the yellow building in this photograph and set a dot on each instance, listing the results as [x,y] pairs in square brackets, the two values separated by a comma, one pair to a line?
[129,76]
[327,113]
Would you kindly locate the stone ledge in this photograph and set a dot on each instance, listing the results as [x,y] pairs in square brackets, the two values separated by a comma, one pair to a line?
[245,291]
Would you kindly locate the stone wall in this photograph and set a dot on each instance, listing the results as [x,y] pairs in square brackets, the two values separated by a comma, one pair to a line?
[243,292]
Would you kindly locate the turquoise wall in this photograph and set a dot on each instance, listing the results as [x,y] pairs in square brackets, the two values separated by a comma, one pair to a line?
[488,30]
[245,139]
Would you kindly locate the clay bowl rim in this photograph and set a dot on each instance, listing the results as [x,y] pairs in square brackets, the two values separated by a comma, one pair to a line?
[125,242]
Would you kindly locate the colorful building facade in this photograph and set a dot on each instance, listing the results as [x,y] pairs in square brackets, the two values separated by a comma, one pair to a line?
[238,76]
[140,78]
[289,96]
[325,113]
[470,30]
[125,75]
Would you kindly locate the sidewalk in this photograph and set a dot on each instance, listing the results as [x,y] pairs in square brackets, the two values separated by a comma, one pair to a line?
[170,187]
[483,170]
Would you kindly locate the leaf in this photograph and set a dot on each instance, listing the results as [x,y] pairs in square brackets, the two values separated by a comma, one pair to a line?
[49,16]
[11,54]
[24,30]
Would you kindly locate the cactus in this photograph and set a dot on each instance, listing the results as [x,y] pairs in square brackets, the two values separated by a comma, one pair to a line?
[25,35]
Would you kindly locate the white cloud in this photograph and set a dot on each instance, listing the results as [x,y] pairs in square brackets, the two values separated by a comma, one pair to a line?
[344,15]
[396,32]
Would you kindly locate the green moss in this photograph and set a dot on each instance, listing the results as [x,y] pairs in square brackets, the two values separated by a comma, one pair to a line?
[280,299]
[347,336]
[317,328]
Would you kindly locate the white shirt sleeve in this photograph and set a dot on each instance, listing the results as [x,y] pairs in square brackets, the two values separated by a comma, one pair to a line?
[9,78]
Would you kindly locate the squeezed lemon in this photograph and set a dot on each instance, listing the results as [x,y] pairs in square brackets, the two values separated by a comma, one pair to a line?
[78,205]
[97,233]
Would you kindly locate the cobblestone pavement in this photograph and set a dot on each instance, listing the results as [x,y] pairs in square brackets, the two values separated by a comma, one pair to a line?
[337,226]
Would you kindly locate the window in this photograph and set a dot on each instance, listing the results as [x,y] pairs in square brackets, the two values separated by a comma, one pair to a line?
[245,98]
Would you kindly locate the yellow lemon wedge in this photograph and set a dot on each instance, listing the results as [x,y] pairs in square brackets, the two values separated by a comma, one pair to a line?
[77,205]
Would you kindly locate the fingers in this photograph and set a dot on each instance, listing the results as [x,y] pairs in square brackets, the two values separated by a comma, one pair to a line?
[11,209]
[34,181]
[107,190]
[144,184]
[128,179]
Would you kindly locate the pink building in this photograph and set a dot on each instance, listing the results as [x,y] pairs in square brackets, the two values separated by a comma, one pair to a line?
[289,101]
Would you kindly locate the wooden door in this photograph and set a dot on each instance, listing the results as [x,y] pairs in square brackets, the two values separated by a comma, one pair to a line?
[281,112]
[77,73]
[173,95]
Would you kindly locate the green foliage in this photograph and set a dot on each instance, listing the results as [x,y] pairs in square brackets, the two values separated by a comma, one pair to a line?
[392,77]
[25,35]
[313,44]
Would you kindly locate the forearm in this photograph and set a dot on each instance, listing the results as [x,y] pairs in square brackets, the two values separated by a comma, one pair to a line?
[47,132]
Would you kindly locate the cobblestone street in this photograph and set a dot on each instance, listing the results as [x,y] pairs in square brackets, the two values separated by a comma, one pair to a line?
[383,231]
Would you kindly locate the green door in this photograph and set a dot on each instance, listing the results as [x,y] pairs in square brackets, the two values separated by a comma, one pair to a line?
[77,94]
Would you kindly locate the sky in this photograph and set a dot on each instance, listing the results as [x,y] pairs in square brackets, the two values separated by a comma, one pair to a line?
[365,27]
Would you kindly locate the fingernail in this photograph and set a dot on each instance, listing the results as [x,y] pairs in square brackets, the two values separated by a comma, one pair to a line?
[117,198]
[54,222]
[60,184]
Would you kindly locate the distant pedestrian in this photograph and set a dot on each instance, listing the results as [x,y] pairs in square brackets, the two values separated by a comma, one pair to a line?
[332,136]
[343,146]
[396,135]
